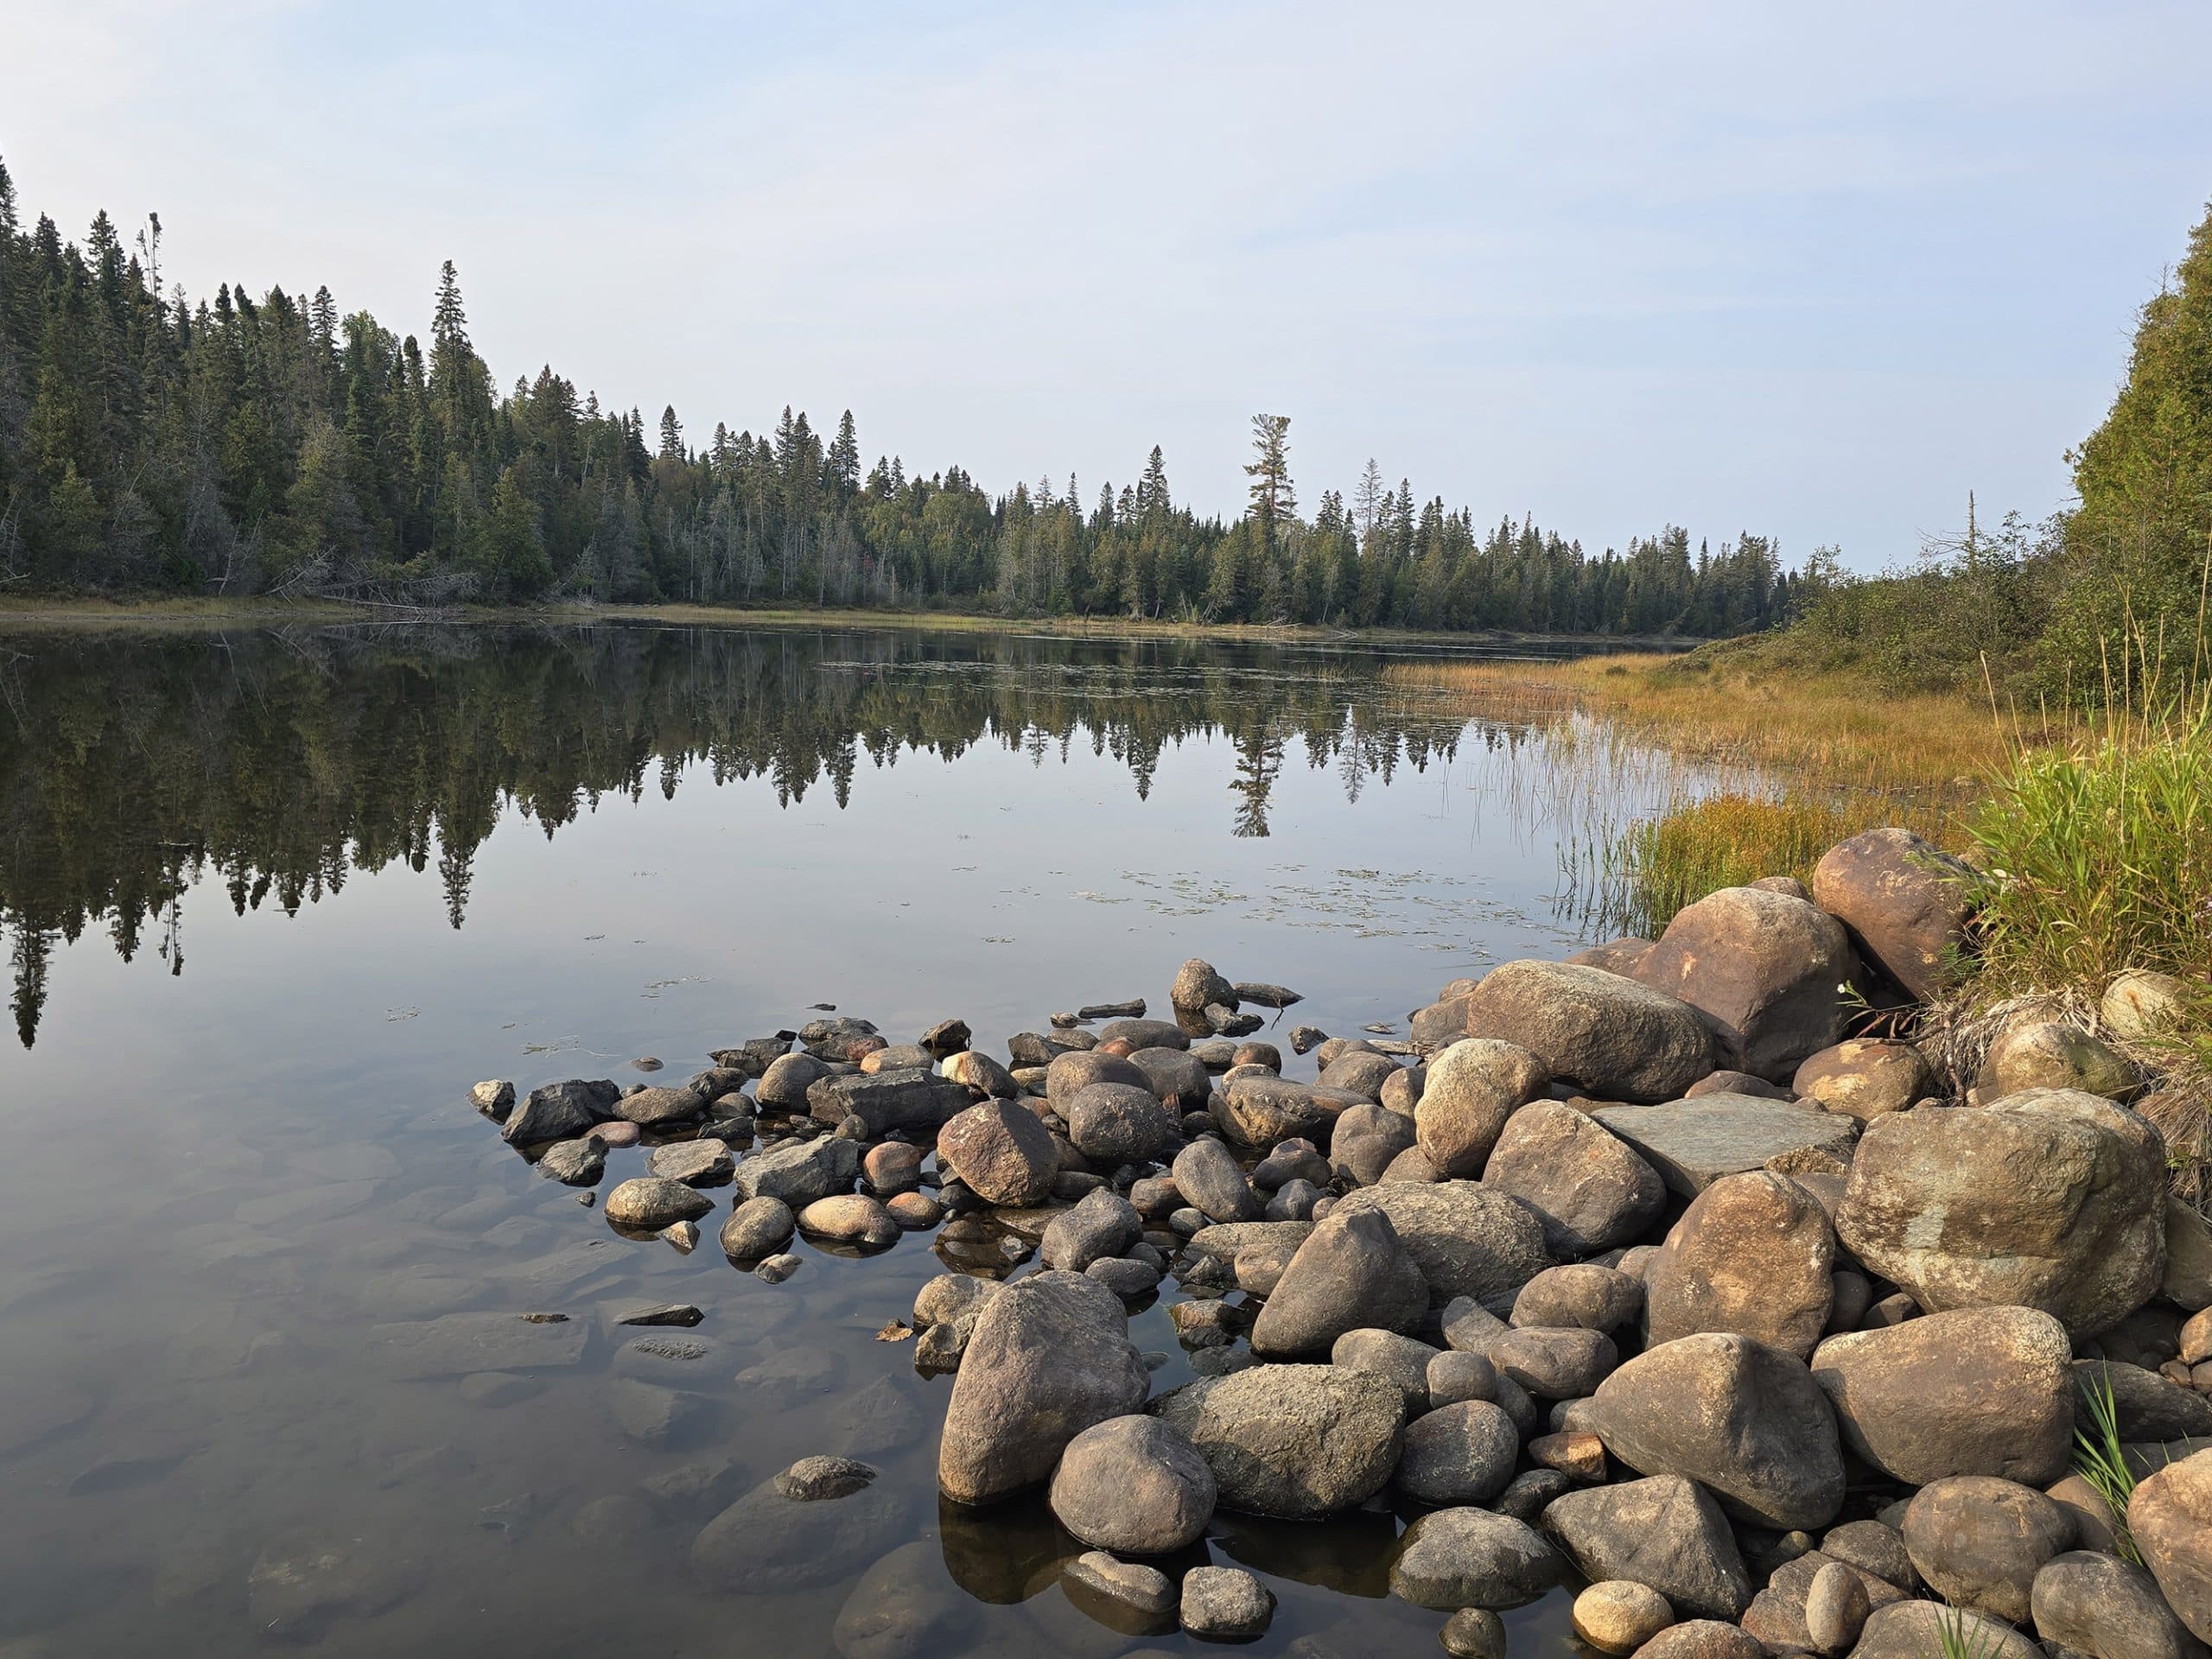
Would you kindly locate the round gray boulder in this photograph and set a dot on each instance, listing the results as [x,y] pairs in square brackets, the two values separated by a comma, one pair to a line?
[1134,1486]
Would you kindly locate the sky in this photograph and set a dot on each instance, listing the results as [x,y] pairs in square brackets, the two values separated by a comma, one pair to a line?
[1736,266]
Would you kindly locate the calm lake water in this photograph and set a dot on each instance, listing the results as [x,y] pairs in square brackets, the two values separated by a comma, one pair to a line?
[273,899]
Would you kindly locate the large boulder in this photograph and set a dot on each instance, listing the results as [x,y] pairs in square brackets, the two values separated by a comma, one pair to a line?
[1001,1151]
[2098,1605]
[1102,1224]
[2053,1199]
[1665,1531]
[1135,1485]
[1467,1094]
[1906,901]
[1198,986]
[1365,1141]
[1693,1143]
[911,1097]
[1768,970]
[1050,1356]
[1753,1254]
[2053,1054]
[1747,1422]
[1295,1442]
[1615,1037]
[1588,1187]
[1978,1542]
[1069,1074]
[1465,1239]
[799,1172]
[1464,1452]
[2171,1516]
[1975,1391]
[1350,1274]
[1115,1123]
[1260,1108]
[648,1203]
[1924,1630]
[1864,1078]
[1450,1559]
[1210,1179]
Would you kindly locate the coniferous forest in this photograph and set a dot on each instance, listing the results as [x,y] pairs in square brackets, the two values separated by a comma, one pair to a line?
[153,441]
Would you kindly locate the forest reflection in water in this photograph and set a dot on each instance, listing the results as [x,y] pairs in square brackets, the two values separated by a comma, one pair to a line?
[134,767]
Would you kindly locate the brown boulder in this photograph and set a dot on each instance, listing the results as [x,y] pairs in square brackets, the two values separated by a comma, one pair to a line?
[1616,1037]
[1768,971]
[1468,1092]
[1906,901]
[1753,1254]
[1864,1078]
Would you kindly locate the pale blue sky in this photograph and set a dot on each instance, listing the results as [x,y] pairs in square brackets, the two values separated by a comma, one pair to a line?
[1729,265]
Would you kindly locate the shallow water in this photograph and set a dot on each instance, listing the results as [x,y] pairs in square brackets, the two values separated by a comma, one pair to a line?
[274,900]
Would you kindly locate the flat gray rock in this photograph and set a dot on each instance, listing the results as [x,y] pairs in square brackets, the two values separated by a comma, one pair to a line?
[1693,1143]
[457,1343]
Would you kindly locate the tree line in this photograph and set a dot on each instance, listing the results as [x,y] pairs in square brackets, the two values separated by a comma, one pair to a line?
[151,441]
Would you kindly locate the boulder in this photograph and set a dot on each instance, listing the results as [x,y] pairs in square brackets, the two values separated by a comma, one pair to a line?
[1115,1123]
[1209,1178]
[1069,1073]
[1864,1078]
[649,1202]
[1975,1391]
[1366,1140]
[2052,1199]
[1176,1076]
[1746,1420]
[1049,1357]
[981,1076]
[1614,956]
[1468,1091]
[558,1111]
[1618,1616]
[1133,1484]
[2171,1516]
[768,1541]
[1196,985]
[2053,1054]
[1361,1072]
[1402,1360]
[1588,1187]
[913,1097]
[1462,1454]
[1978,1542]
[1145,1033]
[1260,1108]
[2101,1605]
[1473,1633]
[1925,1630]
[1753,1254]
[2188,1280]
[799,1172]
[1102,1224]
[1665,1531]
[1566,1363]
[1703,1638]
[1906,902]
[694,1163]
[1836,1605]
[758,1227]
[1225,1604]
[851,1218]
[1294,1442]
[653,1108]
[1473,1558]
[1466,1239]
[1125,1596]
[1581,1294]
[1350,1273]
[1001,1152]
[1781,1615]
[1768,971]
[2146,1406]
[1693,1143]
[2140,1005]
[1618,1038]
[785,1081]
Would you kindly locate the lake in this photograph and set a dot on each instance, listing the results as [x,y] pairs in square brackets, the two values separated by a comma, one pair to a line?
[274,898]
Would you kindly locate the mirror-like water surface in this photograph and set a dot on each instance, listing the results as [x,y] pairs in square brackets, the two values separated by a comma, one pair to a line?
[274,900]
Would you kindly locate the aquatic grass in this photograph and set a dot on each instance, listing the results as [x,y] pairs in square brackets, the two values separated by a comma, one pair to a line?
[1959,1635]
[1726,840]
[2100,1459]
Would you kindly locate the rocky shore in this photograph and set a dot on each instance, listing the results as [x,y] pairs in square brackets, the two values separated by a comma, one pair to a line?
[1654,1272]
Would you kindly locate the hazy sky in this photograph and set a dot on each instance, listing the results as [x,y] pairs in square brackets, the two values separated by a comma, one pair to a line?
[1726,265]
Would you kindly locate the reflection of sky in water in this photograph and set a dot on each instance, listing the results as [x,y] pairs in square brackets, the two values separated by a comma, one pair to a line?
[221,1181]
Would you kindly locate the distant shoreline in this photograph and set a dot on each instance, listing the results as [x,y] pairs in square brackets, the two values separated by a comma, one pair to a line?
[91,613]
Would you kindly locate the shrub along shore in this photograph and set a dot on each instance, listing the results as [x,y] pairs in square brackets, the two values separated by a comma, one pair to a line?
[1710,1272]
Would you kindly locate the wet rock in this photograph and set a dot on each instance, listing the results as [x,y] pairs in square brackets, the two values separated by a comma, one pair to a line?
[1581,1294]
[1745,1420]
[1863,1078]
[786,1079]
[655,1416]
[694,1163]
[1589,1190]
[1291,1441]
[1196,985]
[891,1168]
[1125,1278]
[799,1172]
[457,1345]
[1693,1143]
[1145,1033]
[1124,1595]
[1102,1225]
[2051,1199]
[1462,1454]
[1135,1485]
[2105,1608]
[850,1218]
[557,1111]
[1906,903]
[2170,1515]
[775,1270]
[1473,1558]
[904,1606]
[2051,1054]
[579,1162]
[298,1588]
[1753,1254]
[1618,1038]
[1619,1616]
[757,1228]
[655,1108]
[912,1098]
[1563,1363]
[1978,1542]
[1228,1022]
[1365,1141]
[819,1478]
[1468,1092]
[1001,1152]
[769,1542]
[845,1037]
[649,1202]
[1049,1356]
[495,1099]
[1768,970]
[1665,1531]
[1260,1108]
[680,1314]
[1473,1633]
[1177,1077]
[1225,1604]
[1207,1175]
[1466,1239]
[1977,1391]
[1115,1123]
[615,1135]
[1305,1039]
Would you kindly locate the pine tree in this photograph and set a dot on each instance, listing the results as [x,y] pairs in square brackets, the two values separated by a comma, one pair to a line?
[1272,503]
